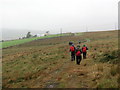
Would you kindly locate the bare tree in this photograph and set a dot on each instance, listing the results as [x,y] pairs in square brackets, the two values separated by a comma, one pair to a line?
[47,32]
[28,35]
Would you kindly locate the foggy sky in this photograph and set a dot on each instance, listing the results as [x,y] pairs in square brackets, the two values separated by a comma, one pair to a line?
[119,15]
[20,16]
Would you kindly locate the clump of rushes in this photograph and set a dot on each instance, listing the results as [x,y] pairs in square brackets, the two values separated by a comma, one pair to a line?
[35,56]
[95,49]
[100,67]
[113,70]
[118,80]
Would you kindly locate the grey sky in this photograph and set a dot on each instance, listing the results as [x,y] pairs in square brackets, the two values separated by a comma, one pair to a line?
[119,16]
[38,16]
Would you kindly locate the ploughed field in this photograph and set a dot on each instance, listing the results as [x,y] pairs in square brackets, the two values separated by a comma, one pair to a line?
[46,63]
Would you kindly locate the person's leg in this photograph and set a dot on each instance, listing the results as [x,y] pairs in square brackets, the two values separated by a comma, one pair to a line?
[71,56]
[76,59]
[74,56]
[80,58]
[84,55]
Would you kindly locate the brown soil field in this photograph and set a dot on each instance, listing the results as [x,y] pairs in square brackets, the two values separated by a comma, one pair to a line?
[46,63]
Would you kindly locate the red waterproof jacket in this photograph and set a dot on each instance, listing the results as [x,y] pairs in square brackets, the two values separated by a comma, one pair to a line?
[78,53]
[84,49]
[72,48]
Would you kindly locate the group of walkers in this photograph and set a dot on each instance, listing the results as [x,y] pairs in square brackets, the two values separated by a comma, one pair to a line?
[76,52]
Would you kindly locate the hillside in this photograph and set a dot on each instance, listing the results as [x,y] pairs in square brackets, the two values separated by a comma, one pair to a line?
[46,63]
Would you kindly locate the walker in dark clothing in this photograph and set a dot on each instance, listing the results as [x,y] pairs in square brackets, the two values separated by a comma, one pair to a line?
[84,50]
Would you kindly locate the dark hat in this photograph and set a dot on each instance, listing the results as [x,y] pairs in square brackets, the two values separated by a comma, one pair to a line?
[78,45]
[84,45]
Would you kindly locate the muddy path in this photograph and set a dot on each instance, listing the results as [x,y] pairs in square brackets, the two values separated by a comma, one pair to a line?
[68,74]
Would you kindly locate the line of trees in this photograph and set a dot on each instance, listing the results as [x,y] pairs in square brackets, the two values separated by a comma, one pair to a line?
[29,35]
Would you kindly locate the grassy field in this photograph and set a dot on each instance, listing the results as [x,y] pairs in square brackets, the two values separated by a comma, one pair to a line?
[46,63]
[21,41]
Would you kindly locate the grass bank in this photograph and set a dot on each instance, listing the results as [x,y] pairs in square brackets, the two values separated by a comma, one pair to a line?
[6,44]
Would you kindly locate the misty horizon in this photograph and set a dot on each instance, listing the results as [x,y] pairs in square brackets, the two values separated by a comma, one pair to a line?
[20,17]
[15,35]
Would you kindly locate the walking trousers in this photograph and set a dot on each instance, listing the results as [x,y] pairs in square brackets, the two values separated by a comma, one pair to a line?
[84,55]
[72,56]
[78,59]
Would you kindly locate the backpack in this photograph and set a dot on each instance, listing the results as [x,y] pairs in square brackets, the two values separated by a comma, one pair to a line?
[84,49]
[72,48]
[78,53]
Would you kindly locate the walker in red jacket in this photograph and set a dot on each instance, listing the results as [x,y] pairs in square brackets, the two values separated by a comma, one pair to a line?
[84,50]
[78,55]
[72,50]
